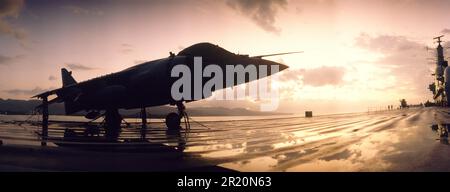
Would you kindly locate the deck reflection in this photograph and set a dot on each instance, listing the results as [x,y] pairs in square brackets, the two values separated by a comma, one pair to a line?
[442,132]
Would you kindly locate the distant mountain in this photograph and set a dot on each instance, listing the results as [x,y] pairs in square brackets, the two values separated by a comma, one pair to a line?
[12,106]
[24,107]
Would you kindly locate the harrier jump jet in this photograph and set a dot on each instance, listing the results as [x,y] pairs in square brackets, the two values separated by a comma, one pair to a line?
[145,85]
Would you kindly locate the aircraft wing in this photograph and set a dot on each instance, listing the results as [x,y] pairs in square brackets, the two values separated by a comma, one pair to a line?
[79,85]
[47,93]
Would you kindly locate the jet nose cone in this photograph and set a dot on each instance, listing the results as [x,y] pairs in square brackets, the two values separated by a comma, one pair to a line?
[281,66]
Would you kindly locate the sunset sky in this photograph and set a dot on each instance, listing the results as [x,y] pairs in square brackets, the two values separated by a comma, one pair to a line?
[357,54]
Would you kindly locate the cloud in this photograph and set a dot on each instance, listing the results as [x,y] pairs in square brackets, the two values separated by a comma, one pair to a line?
[445,31]
[324,75]
[126,48]
[292,75]
[83,11]
[316,77]
[126,51]
[79,67]
[52,78]
[30,92]
[262,12]
[11,9]
[5,60]
[386,43]
[405,59]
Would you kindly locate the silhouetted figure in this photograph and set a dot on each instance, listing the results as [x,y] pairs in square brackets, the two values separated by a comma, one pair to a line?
[403,104]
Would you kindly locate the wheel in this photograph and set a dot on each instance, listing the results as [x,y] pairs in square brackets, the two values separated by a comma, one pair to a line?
[173,121]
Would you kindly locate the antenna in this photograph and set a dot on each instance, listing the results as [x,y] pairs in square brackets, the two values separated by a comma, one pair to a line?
[269,55]
[439,39]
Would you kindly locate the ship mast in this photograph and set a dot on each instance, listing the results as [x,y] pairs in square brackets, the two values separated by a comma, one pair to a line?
[440,52]
[441,85]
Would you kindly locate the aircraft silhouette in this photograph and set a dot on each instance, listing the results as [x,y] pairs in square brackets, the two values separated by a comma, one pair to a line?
[145,85]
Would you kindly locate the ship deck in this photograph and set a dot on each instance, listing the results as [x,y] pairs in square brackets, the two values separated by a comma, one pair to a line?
[412,139]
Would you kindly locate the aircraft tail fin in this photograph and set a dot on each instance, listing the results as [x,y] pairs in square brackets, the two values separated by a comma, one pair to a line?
[67,78]
[69,94]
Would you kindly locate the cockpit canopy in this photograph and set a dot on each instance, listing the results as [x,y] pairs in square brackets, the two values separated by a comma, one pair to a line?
[207,51]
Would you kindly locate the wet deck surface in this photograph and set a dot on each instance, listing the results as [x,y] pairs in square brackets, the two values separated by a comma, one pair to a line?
[399,140]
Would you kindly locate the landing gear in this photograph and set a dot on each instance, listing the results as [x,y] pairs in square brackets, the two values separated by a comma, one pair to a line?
[112,122]
[173,120]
